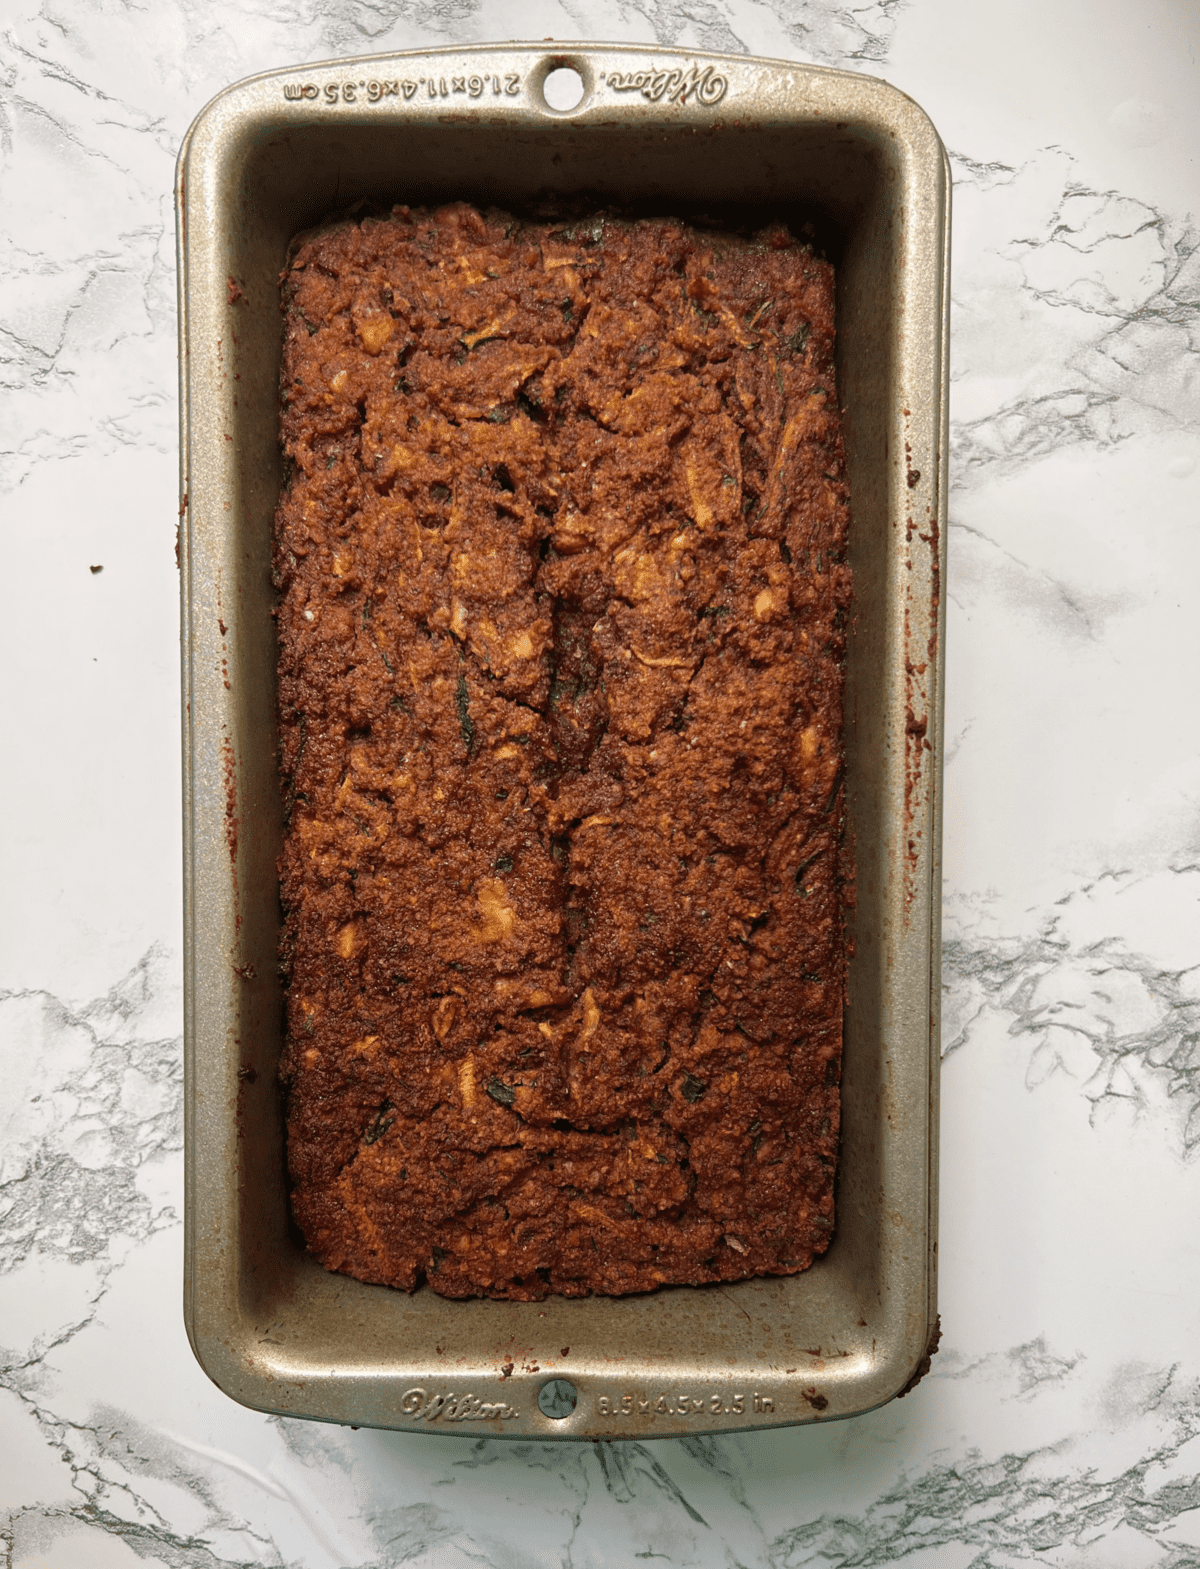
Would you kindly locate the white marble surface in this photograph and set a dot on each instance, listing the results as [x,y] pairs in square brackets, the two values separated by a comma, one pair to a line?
[1061,1423]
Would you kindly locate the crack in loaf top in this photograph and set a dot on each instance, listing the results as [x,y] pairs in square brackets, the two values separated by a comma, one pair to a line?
[561,637]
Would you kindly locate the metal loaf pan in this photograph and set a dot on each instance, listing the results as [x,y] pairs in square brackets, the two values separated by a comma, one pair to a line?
[673,133]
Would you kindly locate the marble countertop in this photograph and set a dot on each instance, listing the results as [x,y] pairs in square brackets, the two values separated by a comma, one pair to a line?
[1060,1424]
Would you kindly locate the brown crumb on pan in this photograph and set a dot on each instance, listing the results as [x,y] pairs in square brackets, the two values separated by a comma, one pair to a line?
[926,1361]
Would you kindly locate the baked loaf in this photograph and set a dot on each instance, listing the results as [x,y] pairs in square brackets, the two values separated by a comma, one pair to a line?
[561,635]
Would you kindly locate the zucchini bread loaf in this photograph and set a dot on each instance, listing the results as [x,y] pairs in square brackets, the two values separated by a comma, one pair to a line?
[561,635]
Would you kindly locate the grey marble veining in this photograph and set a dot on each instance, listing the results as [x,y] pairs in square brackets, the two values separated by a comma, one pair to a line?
[1091,297]
[1123,1024]
[1060,1424]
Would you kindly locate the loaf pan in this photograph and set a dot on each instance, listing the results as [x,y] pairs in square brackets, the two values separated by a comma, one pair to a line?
[663,132]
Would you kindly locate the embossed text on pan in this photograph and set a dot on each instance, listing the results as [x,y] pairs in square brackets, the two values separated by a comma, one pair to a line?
[374,91]
[705,83]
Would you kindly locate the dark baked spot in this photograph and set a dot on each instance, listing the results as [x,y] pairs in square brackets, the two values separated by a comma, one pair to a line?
[380,1123]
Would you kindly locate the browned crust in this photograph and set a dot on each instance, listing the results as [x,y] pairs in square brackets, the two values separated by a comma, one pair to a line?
[560,685]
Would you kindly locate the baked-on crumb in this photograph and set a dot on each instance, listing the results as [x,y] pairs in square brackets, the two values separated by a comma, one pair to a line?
[561,635]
